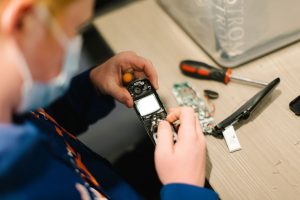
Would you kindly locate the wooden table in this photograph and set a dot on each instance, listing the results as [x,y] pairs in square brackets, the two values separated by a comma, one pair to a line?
[268,166]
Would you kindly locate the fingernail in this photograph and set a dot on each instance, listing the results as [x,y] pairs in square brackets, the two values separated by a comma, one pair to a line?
[164,123]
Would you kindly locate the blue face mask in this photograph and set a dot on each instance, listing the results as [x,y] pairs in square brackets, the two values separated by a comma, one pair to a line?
[37,94]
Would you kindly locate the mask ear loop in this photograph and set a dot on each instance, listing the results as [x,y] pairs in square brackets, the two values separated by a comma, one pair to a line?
[26,76]
[70,46]
[44,14]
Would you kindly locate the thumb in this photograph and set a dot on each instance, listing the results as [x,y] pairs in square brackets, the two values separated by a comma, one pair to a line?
[164,137]
[122,95]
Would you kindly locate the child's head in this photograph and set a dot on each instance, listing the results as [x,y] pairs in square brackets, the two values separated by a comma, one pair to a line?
[37,33]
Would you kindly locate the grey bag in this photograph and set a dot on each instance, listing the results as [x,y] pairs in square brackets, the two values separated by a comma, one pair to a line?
[235,31]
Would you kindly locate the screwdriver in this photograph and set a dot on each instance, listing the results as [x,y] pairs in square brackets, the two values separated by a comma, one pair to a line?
[202,70]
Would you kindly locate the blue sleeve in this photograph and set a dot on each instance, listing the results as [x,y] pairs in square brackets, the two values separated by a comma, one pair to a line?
[33,167]
[81,106]
[16,157]
[183,191]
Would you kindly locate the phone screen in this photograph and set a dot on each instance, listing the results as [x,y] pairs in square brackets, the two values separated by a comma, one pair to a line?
[147,105]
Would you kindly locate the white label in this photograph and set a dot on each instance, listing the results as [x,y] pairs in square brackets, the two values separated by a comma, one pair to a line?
[231,139]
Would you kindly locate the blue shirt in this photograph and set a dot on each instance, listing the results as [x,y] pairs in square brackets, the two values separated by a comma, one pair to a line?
[41,157]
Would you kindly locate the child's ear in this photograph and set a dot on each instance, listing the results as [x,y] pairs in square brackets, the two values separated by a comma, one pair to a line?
[14,14]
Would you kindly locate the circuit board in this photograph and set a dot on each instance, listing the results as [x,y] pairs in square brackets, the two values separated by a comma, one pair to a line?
[186,95]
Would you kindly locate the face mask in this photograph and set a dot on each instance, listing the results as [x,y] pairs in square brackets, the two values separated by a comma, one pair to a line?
[36,94]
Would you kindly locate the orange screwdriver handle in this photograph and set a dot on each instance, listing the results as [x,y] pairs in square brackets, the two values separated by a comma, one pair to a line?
[127,78]
[204,71]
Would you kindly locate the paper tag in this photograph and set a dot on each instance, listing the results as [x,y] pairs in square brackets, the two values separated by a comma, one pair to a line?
[231,139]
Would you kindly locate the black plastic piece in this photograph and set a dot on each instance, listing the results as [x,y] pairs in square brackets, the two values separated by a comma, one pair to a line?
[210,94]
[245,110]
[295,105]
[138,90]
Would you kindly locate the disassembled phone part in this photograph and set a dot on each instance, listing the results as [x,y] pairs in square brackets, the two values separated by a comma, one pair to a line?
[244,112]
[148,106]
[187,96]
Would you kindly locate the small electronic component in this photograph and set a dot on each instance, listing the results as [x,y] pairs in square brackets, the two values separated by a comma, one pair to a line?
[211,94]
[187,96]
[127,78]
[231,139]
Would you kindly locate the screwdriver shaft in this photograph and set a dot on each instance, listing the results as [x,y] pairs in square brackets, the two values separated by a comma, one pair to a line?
[248,80]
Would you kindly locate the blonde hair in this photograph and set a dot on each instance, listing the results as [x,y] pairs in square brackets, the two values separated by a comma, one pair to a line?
[56,6]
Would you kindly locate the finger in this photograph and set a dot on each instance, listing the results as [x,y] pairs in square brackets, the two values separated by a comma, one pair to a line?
[130,52]
[171,110]
[198,128]
[200,137]
[122,95]
[141,64]
[151,73]
[147,67]
[164,141]
[139,75]
[187,129]
[197,123]
[174,114]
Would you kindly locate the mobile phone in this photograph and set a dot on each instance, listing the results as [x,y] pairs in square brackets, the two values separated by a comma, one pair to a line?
[148,106]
